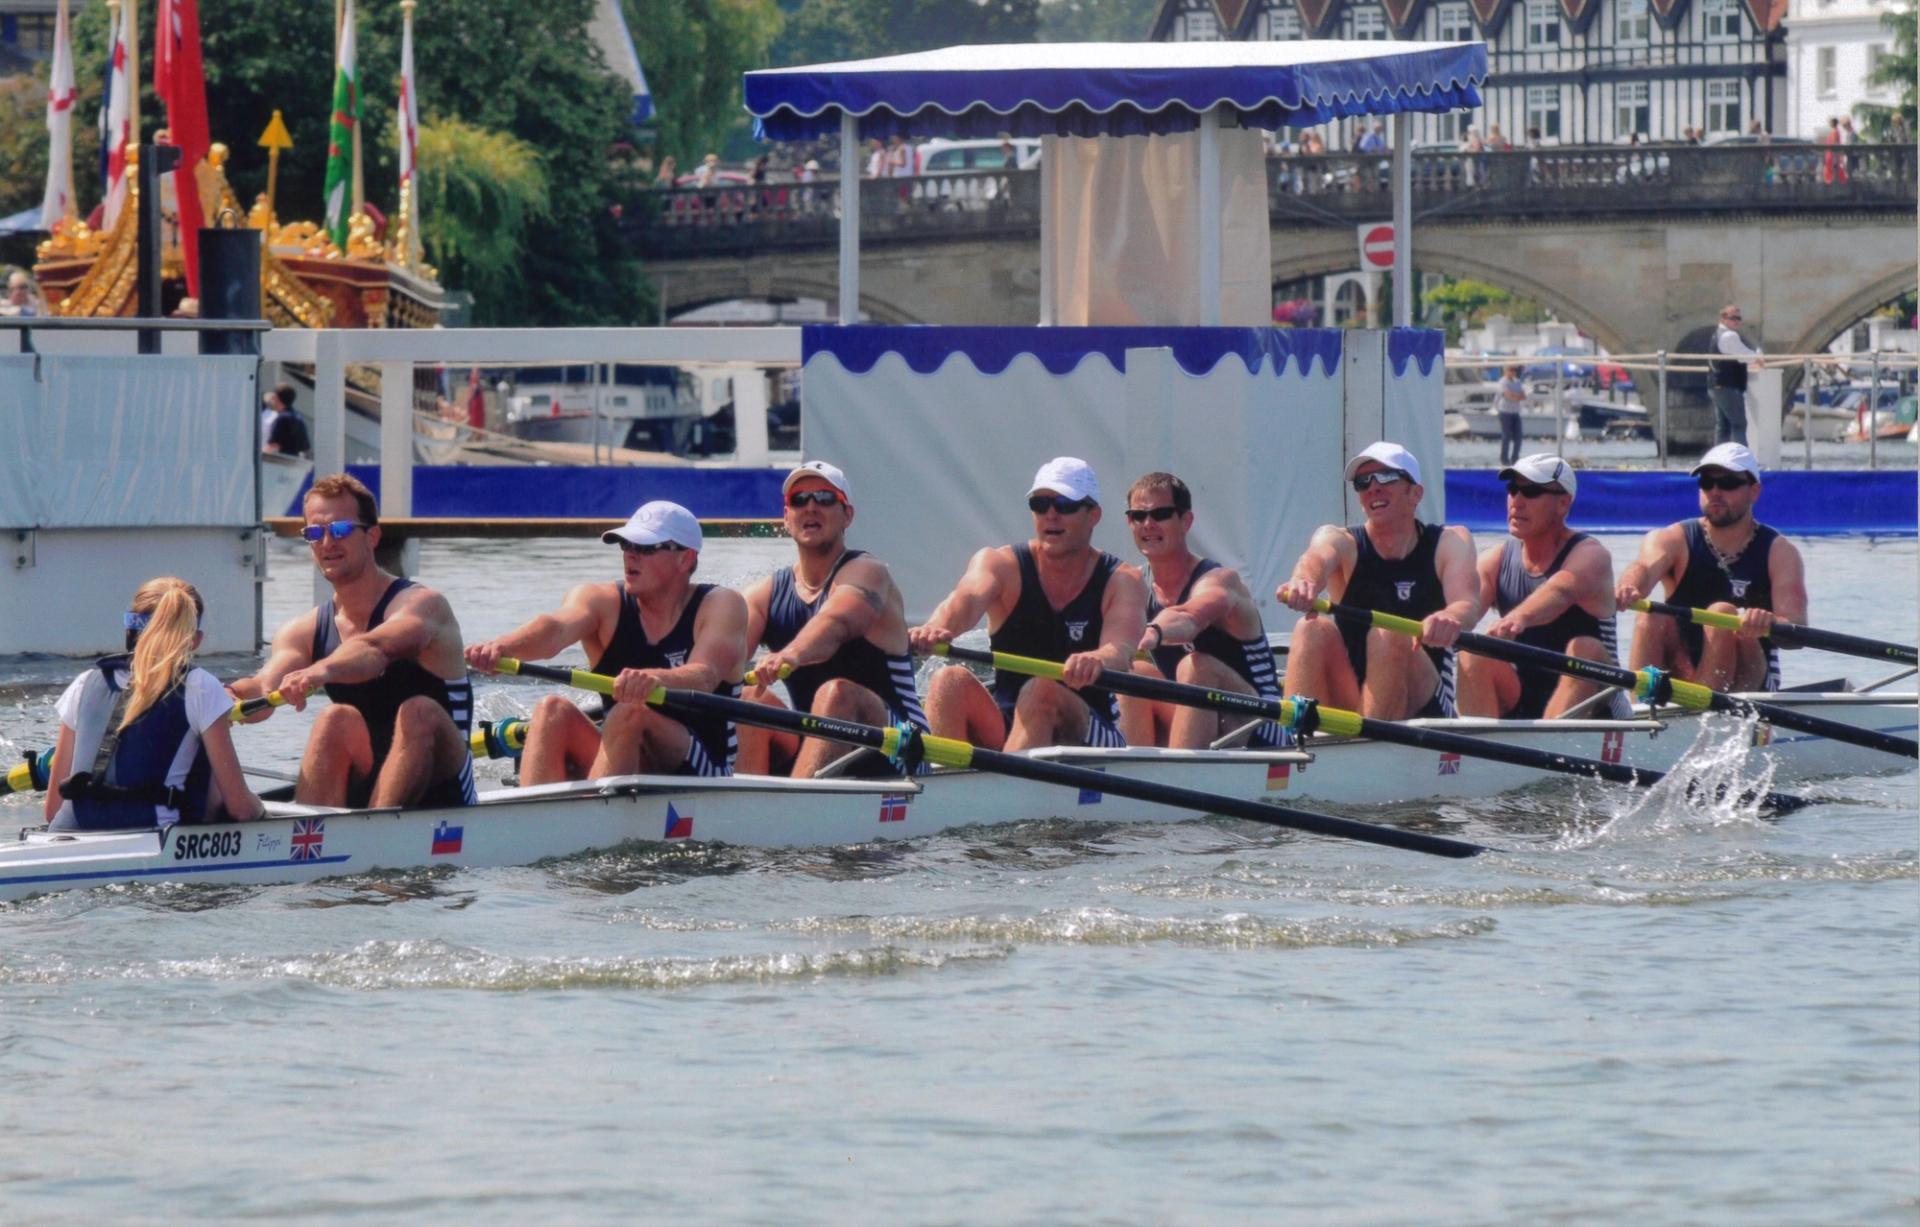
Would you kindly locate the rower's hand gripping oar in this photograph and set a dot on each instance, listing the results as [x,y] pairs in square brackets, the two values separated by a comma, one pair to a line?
[492,739]
[909,745]
[1309,716]
[1651,685]
[1789,632]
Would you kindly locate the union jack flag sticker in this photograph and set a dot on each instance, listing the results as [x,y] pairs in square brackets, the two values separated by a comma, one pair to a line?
[1449,764]
[893,807]
[309,838]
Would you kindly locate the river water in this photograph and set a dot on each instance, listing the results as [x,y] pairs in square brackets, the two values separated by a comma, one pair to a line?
[1647,1013]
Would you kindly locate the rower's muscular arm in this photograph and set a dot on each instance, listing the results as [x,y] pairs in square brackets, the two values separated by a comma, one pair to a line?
[1453,563]
[719,644]
[587,609]
[857,602]
[417,619]
[1123,618]
[1214,599]
[1788,571]
[1487,573]
[1659,555]
[292,649]
[1329,559]
[1585,580]
[992,573]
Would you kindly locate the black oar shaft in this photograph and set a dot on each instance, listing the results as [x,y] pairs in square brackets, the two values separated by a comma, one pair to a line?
[1792,632]
[1687,694]
[947,752]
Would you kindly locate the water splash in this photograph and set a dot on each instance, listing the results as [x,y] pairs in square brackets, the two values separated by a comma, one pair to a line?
[1720,781]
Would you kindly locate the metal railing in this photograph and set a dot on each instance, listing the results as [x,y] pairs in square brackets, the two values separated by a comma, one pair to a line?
[1573,182]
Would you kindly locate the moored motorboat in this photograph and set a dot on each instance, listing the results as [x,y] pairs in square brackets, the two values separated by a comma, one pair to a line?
[519,826]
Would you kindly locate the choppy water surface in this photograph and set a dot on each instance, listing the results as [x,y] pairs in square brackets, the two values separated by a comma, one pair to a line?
[1647,1013]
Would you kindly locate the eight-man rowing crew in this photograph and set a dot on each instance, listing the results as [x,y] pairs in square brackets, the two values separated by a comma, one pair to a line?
[389,654]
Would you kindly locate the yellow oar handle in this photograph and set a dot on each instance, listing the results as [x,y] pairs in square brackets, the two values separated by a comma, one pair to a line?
[579,679]
[1699,617]
[1032,666]
[20,778]
[1382,621]
[243,708]
[1690,695]
[752,678]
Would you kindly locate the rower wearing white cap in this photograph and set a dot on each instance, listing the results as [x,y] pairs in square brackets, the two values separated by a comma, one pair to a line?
[1552,588]
[1393,563]
[835,620]
[1055,597]
[654,627]
[1725,561]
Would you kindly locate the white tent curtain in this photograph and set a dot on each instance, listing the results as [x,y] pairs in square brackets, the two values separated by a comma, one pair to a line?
[1126,219]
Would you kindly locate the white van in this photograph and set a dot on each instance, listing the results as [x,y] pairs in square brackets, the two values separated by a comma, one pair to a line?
[943,157]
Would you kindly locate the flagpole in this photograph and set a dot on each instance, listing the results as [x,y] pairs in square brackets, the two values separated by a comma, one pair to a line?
[409,132]
[133,72]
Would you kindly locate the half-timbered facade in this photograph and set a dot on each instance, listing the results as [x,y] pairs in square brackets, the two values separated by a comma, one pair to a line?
[1578,71]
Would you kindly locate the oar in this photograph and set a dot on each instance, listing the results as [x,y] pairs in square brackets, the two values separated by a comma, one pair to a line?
[1653,685]
[1309,716]
[906,743]
[1790,632]
[494,738]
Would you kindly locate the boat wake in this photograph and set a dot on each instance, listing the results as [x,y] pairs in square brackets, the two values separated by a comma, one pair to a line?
[1718,782]
[1100,926]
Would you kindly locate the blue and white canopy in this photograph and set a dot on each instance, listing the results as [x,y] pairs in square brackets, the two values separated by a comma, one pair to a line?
[1113,89]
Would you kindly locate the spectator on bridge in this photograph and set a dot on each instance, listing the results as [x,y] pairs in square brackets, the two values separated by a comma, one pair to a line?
[903,162]
[709,172]
[1898,133]
[669,171]
[1729,377]
[1758,131]
[1374,140]
[877,160]
[1497,140]
[1833,166]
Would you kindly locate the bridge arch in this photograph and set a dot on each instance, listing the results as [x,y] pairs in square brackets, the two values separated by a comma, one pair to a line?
[682,293]
[1851,309]
[1293,260]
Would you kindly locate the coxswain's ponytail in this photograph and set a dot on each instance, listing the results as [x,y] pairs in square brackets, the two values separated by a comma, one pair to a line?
[162,627]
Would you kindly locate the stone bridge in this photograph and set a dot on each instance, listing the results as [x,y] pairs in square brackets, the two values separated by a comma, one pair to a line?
[1638,246]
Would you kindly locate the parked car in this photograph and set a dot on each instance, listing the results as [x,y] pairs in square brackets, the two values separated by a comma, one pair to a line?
[945,157]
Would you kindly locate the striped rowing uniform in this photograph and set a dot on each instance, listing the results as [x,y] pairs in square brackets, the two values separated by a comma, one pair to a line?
[1746,583]
[378,702]
[1036,628]
[889,675]
[1514,585]
[1252,658]
[1409,587]
[713,743]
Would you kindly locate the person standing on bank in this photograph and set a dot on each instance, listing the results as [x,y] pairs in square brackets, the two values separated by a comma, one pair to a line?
[1513,398]
[1729,378]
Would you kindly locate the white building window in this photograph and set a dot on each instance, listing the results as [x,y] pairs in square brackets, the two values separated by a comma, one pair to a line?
[1201,26]
[1449,126]
[1723,19]
[1543,110]
[1723,106]
[1282,24]
[1543,23]
[1631,23]
[1631,110]
[1456,24]
[1369,23]
[1826,73]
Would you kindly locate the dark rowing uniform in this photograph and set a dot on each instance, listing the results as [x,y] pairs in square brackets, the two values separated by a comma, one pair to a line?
[378,702]
[1515,585]
[1409,587]
[1036,628]
[1252,658]
[713,744]
[1746,582]
[887,674]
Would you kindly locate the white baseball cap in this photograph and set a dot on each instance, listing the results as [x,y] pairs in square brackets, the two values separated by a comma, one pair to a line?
[828,473]
[1542,469]
[657,523]
[1069,476]
[1392,455]
[1733,457]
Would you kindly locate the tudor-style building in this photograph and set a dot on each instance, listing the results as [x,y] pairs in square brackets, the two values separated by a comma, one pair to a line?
[1580,71]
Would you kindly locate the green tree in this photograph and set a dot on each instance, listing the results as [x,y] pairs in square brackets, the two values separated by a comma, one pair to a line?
[1461,300]
[1896,68]
[1097,21]
[481,190]
[825,30]
[694,52]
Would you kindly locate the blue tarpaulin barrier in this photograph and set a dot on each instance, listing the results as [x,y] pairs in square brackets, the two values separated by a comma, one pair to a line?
[1824,502]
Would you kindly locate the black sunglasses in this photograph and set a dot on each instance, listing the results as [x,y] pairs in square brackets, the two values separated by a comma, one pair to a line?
[816,498]
[1367,481]
[648,550]
[1728,482]
[1159,515]
[1529,490]
[1041,504]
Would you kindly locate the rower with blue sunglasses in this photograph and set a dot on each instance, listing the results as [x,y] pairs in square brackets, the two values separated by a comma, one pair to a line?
[1724,561]
[387,651]
[1394,563]
[1055,597]
[653,627]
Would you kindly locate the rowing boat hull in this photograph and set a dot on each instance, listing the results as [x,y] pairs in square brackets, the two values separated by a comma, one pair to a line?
[526,825]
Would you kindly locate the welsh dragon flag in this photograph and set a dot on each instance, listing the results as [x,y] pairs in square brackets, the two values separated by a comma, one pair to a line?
[346,115]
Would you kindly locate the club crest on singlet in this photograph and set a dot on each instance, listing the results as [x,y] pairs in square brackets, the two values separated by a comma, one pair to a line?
[1405,588]
[1076,630]
[1739,587]
[676,659]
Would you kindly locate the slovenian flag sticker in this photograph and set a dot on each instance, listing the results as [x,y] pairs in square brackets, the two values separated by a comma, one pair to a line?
[447,839]
[679,825]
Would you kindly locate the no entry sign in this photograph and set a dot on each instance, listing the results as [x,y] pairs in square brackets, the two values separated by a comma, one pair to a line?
[1376,245]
